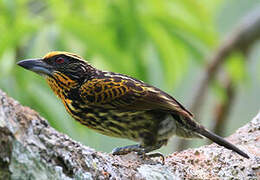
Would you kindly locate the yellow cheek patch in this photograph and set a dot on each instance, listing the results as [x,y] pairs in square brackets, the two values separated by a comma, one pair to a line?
[65,82]
[60,84]
[59,92]
[54,86]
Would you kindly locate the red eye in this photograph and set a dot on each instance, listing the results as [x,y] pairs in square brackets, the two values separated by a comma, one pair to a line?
[59,60]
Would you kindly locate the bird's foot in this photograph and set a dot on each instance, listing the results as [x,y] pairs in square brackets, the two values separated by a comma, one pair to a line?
[141,151]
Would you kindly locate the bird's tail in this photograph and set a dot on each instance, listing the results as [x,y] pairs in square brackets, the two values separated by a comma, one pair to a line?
[220,141]
[191,125]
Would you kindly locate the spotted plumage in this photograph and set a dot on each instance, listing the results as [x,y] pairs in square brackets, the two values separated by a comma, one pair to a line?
[118,105]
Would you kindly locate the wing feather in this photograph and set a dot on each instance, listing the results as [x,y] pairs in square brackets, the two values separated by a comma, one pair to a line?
[126,94]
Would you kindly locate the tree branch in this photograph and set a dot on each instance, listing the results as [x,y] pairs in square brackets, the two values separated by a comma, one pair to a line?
[240,39]
[222,109]
[31,149]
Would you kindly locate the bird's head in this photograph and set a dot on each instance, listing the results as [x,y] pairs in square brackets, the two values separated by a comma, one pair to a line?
[59,63]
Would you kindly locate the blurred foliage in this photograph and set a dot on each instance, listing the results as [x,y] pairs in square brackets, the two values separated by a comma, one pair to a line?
[158,41]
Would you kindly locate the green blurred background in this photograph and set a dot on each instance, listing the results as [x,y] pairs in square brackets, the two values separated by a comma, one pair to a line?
[163,42]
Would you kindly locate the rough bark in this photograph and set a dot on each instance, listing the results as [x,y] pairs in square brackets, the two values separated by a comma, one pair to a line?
[31,149]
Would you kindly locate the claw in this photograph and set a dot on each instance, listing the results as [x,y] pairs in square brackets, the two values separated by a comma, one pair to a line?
[161,156]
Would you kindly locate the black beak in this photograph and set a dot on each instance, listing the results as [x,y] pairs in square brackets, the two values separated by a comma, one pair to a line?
[36,65]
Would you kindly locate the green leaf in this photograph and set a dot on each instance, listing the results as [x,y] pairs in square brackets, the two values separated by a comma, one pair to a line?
[236,67]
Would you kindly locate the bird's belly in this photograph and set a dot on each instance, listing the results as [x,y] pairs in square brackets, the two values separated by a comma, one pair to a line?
[134,125]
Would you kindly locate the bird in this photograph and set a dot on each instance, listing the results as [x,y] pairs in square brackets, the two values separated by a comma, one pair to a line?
[118,105]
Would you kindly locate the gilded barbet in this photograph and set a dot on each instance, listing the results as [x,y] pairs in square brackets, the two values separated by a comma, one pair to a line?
[118,105]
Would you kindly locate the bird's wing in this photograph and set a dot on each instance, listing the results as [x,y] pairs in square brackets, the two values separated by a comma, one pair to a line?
[127,94]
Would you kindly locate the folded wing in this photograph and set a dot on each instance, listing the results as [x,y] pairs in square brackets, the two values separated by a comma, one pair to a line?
[127,94]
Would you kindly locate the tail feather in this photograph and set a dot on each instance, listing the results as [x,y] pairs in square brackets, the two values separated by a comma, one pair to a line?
[190,124]
[221,141]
